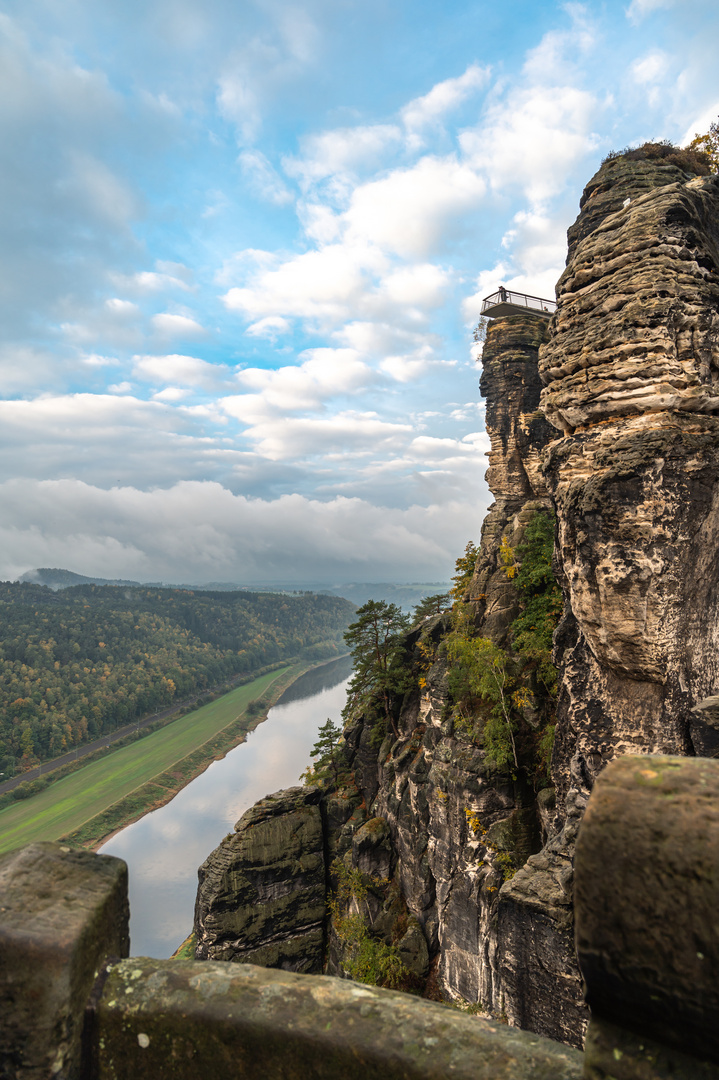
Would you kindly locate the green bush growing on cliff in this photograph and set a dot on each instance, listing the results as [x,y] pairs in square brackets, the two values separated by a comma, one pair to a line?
[365,959]
[480,670]
[326,754]
[464,571]
[493,686]
[532,631]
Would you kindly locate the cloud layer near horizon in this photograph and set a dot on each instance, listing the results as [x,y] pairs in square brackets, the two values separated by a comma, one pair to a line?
[245,246]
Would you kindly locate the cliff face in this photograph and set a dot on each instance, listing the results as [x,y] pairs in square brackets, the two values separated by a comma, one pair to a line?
[631,377]
[630,374]
[430,822]
[518,432]
[261,893]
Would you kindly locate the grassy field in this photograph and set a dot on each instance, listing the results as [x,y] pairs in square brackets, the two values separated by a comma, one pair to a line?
[66,806]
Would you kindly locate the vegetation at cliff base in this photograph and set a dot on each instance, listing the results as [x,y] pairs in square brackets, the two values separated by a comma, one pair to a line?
[365,958]
[80,663]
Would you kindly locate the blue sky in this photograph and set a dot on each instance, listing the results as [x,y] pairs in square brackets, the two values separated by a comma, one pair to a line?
[244,246]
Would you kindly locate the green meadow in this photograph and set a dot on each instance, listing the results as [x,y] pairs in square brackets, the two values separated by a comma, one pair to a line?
[68,804]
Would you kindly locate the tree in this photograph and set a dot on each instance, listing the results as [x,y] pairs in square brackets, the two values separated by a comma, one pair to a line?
[708,144]
[464,570]
[431,605]
[375,643]
[326,749]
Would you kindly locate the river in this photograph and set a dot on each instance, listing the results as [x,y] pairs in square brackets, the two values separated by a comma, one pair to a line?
[164,848]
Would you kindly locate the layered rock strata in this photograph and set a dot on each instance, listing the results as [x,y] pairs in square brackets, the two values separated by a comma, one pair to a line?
[631,385]
[261,893]
[631,372]
[631,377]
[518,432]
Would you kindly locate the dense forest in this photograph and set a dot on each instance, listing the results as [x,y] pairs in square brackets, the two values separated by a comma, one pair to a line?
[84,661]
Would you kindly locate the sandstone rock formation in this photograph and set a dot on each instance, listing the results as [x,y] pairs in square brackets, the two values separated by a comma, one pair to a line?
[631,467]
[518,432]
[261,894]
[630,373]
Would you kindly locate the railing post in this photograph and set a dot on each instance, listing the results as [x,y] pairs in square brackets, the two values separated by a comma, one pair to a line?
[62,912]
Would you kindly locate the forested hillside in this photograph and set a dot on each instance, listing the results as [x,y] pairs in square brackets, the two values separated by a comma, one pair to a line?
[79,663]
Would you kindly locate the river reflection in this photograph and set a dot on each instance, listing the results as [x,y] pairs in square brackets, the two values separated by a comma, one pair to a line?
[164,849]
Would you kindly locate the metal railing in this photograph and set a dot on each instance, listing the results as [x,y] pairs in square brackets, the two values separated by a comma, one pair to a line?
[520,300]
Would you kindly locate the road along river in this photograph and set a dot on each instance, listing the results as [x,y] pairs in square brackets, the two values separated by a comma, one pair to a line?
[164,848]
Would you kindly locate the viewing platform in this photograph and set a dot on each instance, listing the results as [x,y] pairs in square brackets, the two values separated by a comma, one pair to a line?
[505,302]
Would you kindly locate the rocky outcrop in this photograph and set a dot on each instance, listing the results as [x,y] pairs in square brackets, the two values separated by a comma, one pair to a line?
[447,844]
[632,379]
[518,432]
[630,371]
[261,893]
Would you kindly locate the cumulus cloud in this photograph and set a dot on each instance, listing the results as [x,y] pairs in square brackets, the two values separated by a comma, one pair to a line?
[175,368]
[168,325]
[443,98]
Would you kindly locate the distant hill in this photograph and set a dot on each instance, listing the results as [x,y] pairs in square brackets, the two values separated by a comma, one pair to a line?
[65,579]
[78,662]
[406,596]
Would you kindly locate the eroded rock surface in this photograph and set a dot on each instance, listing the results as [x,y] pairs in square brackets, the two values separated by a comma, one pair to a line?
[631,467]
[630,372]
[518,433]
[261,893]
[632,378]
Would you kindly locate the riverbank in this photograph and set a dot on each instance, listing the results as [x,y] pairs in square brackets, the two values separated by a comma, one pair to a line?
[162,789]
[49,772]
[88,806]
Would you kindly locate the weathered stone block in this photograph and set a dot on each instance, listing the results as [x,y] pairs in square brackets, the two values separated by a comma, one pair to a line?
[62,912]
[177,1020]
[647,897]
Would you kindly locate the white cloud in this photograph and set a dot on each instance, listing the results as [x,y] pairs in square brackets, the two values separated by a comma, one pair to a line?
[237,101]
[424,285]
[443,97]
[176,368]
[324,374]
[262,178]
[341,151]
[270,327]
[323,284]
[700,125]
[146,282]
[120,388]
[638,9]
[201,532]
[168,325]
[410,211]
[285,438]
[171,393]
[408,367]
[121,307]
[650,68]
[532,139]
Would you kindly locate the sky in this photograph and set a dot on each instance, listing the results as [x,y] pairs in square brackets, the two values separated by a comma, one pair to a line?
[244,246]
